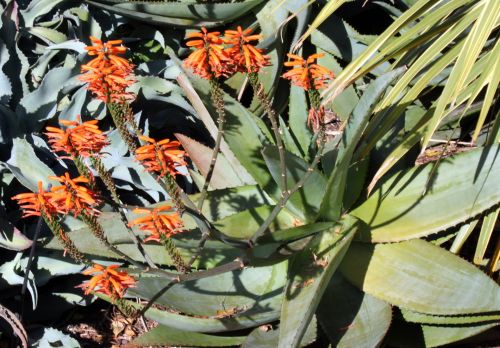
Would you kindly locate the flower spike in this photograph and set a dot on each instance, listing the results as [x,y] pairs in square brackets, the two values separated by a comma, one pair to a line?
[161,157]
[108,281]
[246,57]
[209,59]
[34,204]
[307,74]
[158,225]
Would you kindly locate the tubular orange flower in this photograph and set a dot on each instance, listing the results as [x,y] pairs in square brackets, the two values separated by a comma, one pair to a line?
[108,75]
[107,280]
[209,59]
[157,224]
[306,73]
[79,139]
[73,198]
[246,57]
[161,157]
[34,204]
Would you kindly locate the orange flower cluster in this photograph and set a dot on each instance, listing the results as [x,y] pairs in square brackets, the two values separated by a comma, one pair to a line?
[71,197]
[79,139]
[65,199]
[306,74]
[158,225]
[161,157]
[108,281]
[245,56]
[108,75]
[34,204]
[210,58]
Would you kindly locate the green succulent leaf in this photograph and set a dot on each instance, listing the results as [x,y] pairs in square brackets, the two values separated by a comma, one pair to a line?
[163,335]
[395,210]
[421,277]
[306,201]
[331,205]
[435,336]
[351,318]
[254,291]
[309,274]
[265,337]
[449,320]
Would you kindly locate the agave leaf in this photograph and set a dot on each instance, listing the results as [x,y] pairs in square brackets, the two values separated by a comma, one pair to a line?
[448,320]
[223,175]
[26,166]
[331,205]
[37,8]
[5,84]
[305,202]
[297,113]
[50,36]
[485,235]
[309,278]
[421,277]
[463,233]
[243,225]
[246,293]
[214,252]
[181,14]
[330,7]
[351,318]
[265,337]
[11,238]
[163,335]
[394,211]
[435,336]
[294,233]
[247,149]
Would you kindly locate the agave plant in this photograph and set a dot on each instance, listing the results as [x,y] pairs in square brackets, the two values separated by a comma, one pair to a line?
[299,220]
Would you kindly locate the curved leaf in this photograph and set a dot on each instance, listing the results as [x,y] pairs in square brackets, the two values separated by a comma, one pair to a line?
[421,277]
[396,208]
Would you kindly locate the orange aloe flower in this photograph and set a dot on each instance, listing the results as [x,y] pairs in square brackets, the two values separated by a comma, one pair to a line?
[79,139]
[108,75]
[246,57]
[161,157]
[306,74]
[34,204]
[209,59]
[71,197]
[108,281]
[158,225]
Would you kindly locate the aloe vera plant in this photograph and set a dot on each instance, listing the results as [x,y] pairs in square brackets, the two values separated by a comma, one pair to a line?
[302,209]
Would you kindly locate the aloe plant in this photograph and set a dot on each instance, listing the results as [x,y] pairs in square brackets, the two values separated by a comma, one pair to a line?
[288,230]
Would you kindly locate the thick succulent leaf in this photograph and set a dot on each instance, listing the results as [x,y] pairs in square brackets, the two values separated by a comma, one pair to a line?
[223,175]
[395,209]
[214,252]
[421,277]
[247,149]
[265,337]
[163,335]
[243,225]
[485,235]
[449,320]
[331,205]
[251,291]
[351,318]
[309,275]
[37,8]
[55,338]
[294,233]
[306,201]
[26,166]
[184,14]
[435,336]
[297,113]
[11,238]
